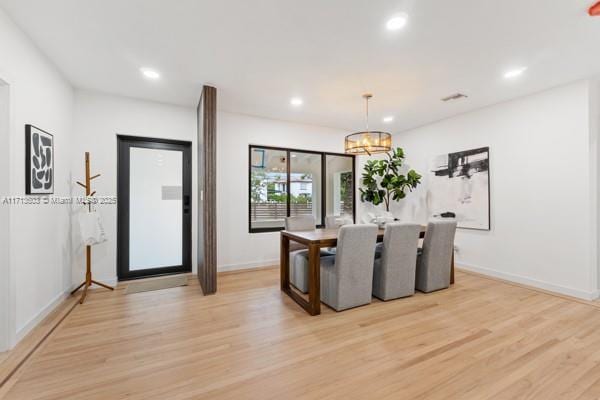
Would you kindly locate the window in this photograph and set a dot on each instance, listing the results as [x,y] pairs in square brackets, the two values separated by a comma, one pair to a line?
[339,186]
[268,189]
[305,184]
[286,182]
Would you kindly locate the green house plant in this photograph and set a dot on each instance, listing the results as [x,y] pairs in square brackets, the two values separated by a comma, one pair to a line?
[382,180]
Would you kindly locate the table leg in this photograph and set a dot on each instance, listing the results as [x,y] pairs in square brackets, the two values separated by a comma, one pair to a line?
[285,263]
[314,279]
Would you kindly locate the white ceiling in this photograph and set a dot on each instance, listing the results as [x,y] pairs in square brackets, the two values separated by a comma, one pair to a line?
[260,53]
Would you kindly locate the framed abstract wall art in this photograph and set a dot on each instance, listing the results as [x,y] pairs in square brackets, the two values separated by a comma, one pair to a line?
[39,161]
[459,184]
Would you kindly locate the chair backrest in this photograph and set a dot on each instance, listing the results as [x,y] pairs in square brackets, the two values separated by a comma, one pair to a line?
[438,245]
[354,258]
[335,221]
[400,243]
[300,223]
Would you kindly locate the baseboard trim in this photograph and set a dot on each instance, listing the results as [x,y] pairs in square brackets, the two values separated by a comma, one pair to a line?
[248,270]
[39,317]
[33,340]
[44,312]
[250,265]
[547,286]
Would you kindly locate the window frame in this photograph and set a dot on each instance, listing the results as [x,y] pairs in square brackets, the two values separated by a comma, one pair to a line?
[288,151]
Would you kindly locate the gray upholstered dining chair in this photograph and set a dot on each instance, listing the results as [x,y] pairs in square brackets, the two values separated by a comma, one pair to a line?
[300,223]
[435,258]
[395,263]
[336,221]
[299,265]
[347,277]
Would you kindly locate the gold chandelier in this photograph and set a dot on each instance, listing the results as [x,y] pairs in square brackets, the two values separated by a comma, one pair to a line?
[368,142]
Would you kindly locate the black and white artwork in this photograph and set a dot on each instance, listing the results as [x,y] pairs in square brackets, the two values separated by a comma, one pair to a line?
[39,161]
[460,186]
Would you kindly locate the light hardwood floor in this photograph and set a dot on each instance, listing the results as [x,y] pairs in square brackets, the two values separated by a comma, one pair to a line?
[480,339]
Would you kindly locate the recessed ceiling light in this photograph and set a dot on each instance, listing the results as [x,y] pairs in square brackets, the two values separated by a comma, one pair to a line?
[388,119]
[397,22]
[296,101]
[514,73]
[150,73]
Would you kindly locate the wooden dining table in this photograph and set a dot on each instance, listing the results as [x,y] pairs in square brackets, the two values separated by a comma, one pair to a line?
[315,240]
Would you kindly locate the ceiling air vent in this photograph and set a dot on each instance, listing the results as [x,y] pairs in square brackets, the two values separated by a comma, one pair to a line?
[455,96]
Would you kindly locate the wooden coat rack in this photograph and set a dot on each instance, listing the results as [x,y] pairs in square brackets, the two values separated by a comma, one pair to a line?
[88,249]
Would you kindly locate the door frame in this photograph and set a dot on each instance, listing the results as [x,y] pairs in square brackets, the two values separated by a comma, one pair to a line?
[124,143]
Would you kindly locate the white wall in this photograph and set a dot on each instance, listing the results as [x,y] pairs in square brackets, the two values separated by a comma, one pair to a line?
[543,193]
[39,235]
[595,167]
[98,120]
[237,248]
[4,217]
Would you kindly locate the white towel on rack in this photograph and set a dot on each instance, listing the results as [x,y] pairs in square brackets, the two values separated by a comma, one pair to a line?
[92,231]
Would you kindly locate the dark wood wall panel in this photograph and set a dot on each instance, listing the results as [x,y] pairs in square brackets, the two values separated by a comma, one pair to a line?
[207,183]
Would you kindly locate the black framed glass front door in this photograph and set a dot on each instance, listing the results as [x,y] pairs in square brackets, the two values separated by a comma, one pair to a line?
[154,207]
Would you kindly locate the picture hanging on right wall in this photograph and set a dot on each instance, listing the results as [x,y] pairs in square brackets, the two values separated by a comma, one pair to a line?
[459,185]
